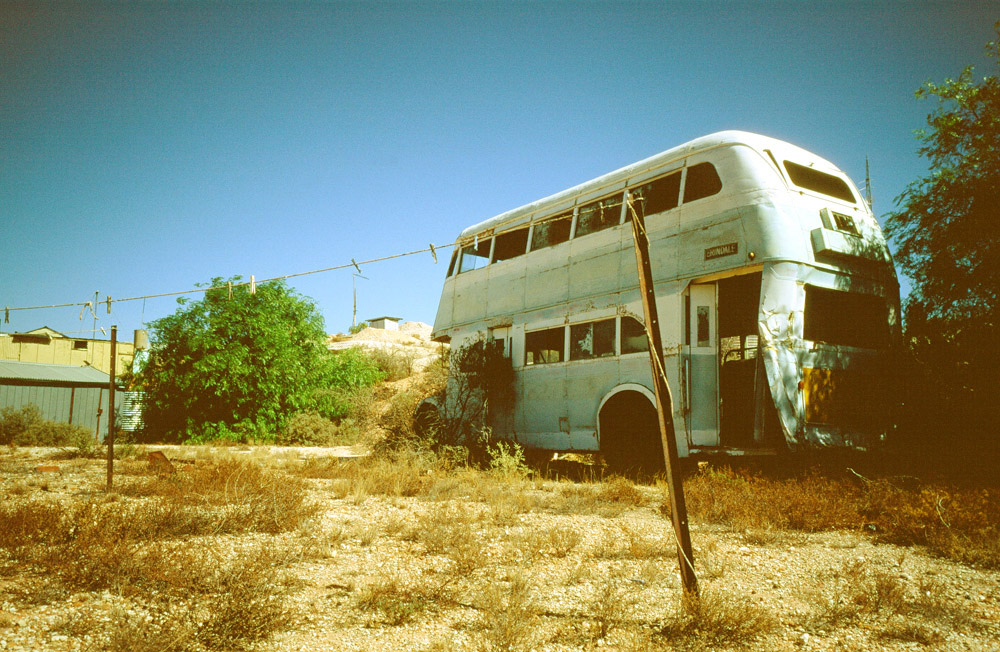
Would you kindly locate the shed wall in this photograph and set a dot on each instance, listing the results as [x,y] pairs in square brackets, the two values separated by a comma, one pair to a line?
[54,404]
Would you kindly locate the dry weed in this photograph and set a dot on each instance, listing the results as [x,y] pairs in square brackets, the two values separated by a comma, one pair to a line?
[854,592]
[394,602]
[608,607]
[712,620]
[508,615]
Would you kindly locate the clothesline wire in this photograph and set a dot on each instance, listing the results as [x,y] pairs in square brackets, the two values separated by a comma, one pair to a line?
[353,263]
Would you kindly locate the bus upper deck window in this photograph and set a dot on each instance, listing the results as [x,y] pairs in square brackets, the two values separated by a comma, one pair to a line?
[702,181]
[656,196]
[510,245]
[551,232]
[821,182]
[475,255]
[599,215]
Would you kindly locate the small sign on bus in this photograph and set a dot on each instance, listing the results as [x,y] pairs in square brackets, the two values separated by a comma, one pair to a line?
[719,251]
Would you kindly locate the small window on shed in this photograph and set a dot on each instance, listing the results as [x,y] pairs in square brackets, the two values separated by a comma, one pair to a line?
[510,245]
[544,347]
[599,215]
[80,345]
[702,181]
[634,339]
[551,232]
[821,182]
[656,196]
[594,339]
[475,256]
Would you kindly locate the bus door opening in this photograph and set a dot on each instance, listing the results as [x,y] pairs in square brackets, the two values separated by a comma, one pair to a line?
[701,365]
[741,372]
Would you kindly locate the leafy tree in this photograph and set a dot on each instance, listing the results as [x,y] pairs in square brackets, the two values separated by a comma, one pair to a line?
[947,230]
[233,367]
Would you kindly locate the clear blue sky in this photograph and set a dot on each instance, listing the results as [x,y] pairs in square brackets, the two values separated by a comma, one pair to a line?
[146,147]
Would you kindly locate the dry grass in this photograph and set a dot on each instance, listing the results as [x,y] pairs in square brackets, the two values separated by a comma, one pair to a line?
[508,614]
[392,602]
[609,606]
[962,524]
[714,620]
[506,562]
[154,547]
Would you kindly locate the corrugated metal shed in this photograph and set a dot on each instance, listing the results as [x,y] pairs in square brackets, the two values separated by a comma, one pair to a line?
[77,395]
[62,374]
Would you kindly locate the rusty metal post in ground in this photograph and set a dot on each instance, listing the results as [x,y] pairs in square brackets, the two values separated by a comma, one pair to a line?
[664,404]
[111,408]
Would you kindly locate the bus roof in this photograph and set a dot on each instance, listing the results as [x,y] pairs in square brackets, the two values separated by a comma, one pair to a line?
[703,143]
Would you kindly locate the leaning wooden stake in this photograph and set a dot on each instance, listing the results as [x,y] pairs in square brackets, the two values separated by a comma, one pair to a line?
[111,408]
[664,405]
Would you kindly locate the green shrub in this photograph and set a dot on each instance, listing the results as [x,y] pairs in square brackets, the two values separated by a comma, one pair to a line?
[507,460]
[395,364]
[352,368]
[233,433]
[25,426]
[308,429]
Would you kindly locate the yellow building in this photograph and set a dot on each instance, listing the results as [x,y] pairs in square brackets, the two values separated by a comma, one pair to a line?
[47,346]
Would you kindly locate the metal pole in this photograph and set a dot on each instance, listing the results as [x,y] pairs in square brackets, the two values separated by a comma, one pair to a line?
[664,405]
[111,408]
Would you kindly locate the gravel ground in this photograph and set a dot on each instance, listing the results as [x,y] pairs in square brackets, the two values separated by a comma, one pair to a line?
[536,566]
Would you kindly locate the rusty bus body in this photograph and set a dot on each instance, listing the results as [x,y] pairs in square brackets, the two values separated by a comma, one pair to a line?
[778,303]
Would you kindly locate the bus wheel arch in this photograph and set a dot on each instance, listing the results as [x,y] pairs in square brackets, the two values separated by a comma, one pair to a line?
[427,417]
[628,429]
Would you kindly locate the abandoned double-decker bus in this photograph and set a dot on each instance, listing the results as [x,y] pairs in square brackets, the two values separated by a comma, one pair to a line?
[777,298]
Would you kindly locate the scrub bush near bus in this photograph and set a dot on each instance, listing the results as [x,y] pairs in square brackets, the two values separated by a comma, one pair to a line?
[237,365]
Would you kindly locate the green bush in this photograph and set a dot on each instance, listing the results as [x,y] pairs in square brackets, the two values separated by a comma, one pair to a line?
[308,429]
[236,433]
[25,426]
[395,364]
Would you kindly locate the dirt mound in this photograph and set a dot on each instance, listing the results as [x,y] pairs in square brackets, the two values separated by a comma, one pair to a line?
[413,337]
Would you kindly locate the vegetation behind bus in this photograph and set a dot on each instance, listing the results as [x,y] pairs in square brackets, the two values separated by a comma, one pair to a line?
[948,242]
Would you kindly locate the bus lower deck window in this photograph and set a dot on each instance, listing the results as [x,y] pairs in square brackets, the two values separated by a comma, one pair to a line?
[543,347]
[634,339]
[845,318]
[594,339]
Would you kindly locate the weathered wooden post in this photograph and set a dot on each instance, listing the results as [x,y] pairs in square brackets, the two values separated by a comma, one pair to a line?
[111,407]
[664,403]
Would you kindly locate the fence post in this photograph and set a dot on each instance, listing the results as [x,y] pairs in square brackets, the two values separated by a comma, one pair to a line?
[111,408]
[664,405]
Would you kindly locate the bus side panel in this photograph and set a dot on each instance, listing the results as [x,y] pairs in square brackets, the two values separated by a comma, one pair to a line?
[780,330]
[595,264]
[587,381]
[544,406]
[444,317]
[470,298]
[710,245]
[548,284]
[505,295]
